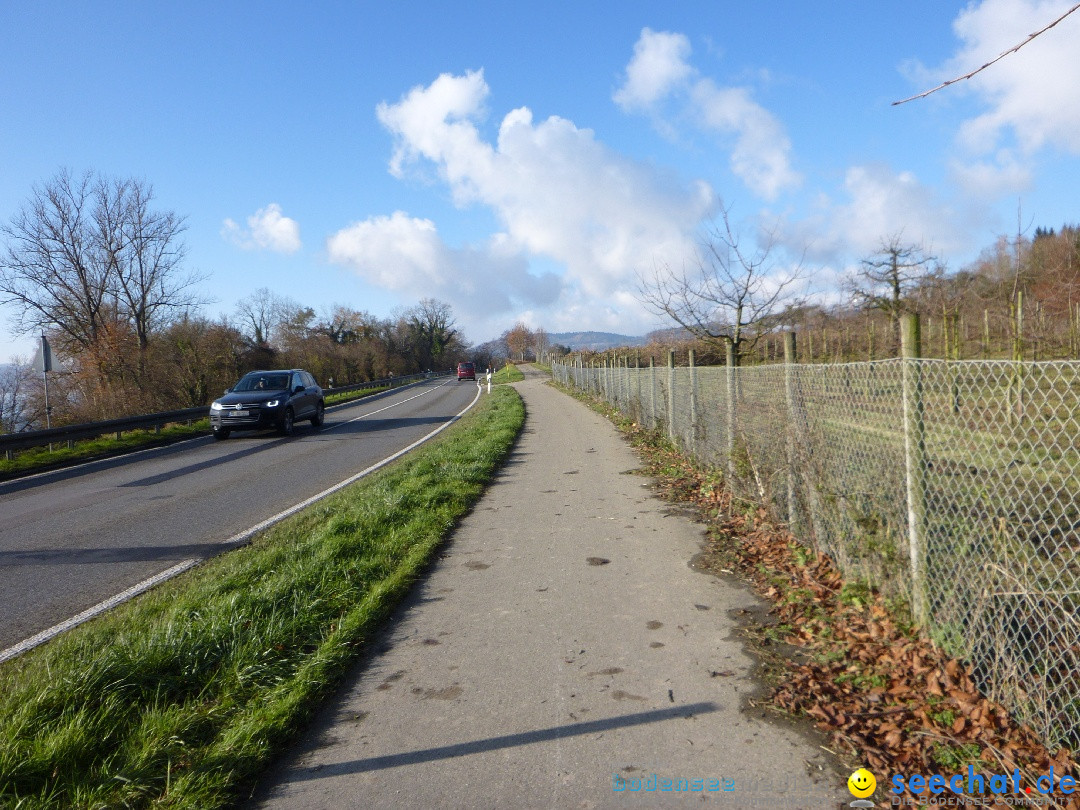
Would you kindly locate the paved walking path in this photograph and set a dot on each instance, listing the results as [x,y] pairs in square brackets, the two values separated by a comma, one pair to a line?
[561,653]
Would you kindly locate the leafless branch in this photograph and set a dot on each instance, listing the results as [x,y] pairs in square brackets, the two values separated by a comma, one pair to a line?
[998,58]
[731,296]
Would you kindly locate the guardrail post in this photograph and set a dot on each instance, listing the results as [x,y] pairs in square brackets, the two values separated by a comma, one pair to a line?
[671,394]
[915,461]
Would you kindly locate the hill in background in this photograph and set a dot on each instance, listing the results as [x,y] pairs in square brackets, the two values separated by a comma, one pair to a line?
[594,341]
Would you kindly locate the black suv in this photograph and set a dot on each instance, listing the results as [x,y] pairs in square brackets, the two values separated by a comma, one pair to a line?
[268,399]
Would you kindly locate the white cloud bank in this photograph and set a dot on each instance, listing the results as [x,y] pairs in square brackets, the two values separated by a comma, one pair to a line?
[660,69]
[405,254]
[267,229]
[659,66]
[559,194]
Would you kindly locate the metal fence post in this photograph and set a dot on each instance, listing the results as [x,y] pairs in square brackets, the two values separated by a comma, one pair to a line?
[914,461]
[671,394]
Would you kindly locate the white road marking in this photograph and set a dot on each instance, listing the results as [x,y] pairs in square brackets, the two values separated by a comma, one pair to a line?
[236,540]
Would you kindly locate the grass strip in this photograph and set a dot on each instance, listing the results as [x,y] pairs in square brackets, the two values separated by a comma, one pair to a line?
[349,396]
[507,374]
[181,698]
[42,458]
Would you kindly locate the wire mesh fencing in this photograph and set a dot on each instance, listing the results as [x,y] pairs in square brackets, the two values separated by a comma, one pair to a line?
[950,484]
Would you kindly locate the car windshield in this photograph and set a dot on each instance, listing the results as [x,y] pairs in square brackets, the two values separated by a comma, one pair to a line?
[263,382]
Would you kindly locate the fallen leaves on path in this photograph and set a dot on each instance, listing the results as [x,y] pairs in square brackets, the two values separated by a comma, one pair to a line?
[886,695]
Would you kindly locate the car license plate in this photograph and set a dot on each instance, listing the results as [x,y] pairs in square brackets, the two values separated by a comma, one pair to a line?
[239,413]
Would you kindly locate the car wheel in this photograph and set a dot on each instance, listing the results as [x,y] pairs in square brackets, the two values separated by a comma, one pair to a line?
[221,433]
[319,416]
[287,423]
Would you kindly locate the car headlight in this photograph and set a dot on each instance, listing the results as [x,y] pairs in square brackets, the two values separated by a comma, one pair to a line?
[215,406]
[273,403]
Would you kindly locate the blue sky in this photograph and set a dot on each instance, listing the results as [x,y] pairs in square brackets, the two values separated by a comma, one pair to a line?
[528,161]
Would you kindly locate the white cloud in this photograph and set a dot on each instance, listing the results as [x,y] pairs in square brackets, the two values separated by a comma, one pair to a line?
[1033,93]
[559,193]
[405,254]
[1004,176]
[761,157]
[267,229]
[659,64]
[659,70]
[878,203]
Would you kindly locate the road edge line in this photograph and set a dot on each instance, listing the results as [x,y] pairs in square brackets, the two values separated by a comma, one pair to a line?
[236,541]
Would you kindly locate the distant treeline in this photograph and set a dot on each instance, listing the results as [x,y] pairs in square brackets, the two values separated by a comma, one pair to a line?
[192,359]
[1020,300]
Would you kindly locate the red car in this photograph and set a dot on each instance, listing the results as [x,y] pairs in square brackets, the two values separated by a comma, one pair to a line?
[466,371]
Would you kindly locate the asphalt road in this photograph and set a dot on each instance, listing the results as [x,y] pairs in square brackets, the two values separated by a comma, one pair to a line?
[74,538]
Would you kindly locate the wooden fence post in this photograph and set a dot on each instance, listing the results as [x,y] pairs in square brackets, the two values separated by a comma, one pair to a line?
[652,392]
[671,394]
[730,439]
[789,393]
[693,406]
[637,388]
[915,462]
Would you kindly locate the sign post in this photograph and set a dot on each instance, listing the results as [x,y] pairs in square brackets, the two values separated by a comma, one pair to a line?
[43,363]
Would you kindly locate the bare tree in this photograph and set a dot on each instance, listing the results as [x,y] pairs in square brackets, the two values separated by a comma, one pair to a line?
[89,260]
[16,408]
[145,249]
[885,280]
[51,269]
[540,342]
[260,315]
[733,295]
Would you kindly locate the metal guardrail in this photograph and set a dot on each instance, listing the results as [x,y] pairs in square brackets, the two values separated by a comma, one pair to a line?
[90,430]
[10,442]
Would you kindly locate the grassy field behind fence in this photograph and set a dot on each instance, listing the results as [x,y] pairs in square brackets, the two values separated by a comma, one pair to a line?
[180,698]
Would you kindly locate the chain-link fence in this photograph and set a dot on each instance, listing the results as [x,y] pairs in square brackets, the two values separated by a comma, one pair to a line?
[951,484]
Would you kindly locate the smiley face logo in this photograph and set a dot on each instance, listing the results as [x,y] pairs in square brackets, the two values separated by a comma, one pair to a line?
[861,783]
